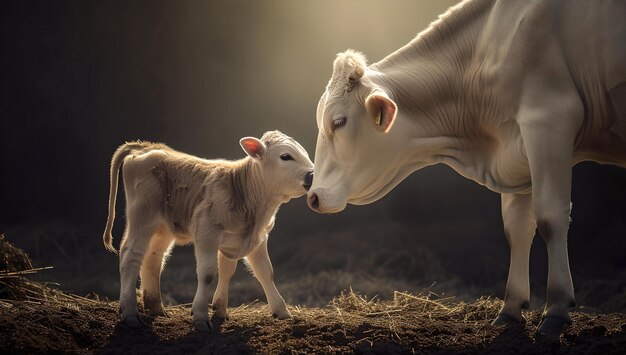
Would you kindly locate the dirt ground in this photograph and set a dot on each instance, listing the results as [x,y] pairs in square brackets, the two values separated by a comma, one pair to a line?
[36,318]
[55,322]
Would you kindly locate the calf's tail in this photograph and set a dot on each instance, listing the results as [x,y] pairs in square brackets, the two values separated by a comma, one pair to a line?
[116,163]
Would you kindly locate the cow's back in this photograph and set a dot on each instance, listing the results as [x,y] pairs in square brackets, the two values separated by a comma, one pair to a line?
[584,39]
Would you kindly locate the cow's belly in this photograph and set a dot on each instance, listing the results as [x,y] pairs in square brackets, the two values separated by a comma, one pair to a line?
[605,148]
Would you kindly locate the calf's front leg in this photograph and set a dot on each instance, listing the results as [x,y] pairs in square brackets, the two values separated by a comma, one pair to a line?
[261,265]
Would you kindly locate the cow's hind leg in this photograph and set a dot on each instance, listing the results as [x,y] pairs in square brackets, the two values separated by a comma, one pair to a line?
[153,264]
[226,269]
[519,229]
[139,230]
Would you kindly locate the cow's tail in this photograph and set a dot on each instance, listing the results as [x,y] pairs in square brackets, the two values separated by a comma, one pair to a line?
[116,164]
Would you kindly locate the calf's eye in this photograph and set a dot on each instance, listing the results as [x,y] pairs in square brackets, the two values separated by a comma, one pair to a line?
[339,122]
[286,157]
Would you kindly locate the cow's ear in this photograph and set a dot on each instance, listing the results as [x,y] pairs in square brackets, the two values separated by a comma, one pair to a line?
[253,147]
[383,109]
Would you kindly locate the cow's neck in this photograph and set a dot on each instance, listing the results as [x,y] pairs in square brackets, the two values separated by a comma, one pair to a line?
[426,79]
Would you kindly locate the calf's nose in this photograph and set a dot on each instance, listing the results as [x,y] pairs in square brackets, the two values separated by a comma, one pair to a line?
[308,180]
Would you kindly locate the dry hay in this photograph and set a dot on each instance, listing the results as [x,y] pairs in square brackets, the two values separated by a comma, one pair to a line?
[427,304]
[14,264]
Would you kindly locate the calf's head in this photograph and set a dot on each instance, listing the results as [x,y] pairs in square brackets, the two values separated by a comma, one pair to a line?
[358,145]
[283,164]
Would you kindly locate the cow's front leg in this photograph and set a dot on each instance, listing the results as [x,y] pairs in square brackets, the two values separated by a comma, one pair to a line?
[549,142]
[226,269]
[261,265]
[519,229]
[206,243]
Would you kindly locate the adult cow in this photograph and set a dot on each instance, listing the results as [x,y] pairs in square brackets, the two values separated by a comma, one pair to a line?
[509,94]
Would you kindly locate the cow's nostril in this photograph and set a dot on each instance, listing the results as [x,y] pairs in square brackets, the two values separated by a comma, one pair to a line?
[313,201]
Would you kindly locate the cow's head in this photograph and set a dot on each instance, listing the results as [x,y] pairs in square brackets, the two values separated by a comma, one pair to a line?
[356,158]
[285,166]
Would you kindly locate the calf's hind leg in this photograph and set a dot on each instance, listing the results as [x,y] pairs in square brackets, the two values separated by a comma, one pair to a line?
[139,230]
[153,263]
[207,239]
[519,229]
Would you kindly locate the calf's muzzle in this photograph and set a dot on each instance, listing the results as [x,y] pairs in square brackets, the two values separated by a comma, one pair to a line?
[308,180]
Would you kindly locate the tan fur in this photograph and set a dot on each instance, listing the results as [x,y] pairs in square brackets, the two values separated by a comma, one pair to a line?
[173,197]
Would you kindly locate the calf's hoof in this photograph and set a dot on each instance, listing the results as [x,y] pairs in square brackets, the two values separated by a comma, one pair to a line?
[220,312]
[157,312]
[133,322]
[202,325]
[221,315]
[505,319]
[552,326]
[153,305]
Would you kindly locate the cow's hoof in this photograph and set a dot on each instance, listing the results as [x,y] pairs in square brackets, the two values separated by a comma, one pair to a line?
[202,326]
[282,315]
[133,322]
[552,326]
[505,319]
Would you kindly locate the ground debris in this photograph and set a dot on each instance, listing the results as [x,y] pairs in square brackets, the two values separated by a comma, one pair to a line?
[36,318]
[350,323]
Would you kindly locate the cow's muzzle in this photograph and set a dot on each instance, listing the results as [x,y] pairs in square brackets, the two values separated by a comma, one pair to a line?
[313,202]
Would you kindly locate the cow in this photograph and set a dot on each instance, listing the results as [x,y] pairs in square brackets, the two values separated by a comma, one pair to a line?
[225,208]
[509,94]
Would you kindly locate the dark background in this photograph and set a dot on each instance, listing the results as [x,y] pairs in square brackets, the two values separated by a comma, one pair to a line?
[79,78]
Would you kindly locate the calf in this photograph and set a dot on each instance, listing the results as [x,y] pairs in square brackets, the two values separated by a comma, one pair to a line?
[226,208]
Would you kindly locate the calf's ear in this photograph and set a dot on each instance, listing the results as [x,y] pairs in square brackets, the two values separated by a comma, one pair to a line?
[253,147]
[383,109]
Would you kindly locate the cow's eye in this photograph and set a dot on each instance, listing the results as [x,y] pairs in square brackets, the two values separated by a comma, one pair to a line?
[339,122]
[286,157]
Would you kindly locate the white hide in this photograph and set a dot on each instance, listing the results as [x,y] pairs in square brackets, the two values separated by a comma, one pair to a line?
[509,94]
